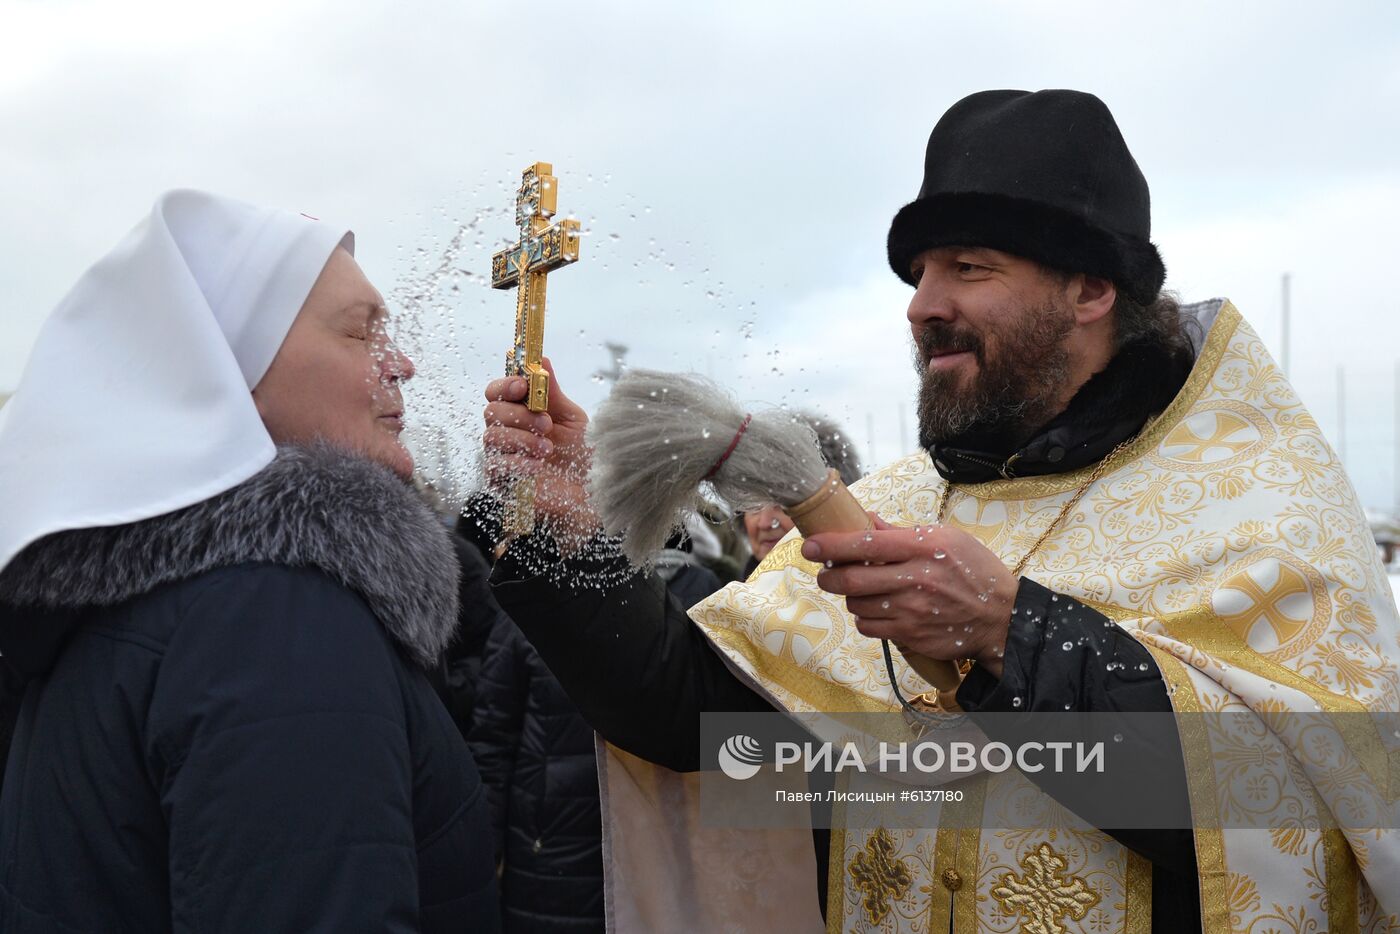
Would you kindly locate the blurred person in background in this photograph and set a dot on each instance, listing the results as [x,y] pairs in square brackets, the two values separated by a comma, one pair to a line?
[765,527]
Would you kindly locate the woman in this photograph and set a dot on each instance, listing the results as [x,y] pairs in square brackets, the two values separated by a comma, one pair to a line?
[220,591]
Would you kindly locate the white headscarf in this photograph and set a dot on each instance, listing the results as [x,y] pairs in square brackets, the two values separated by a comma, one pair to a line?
[136,399]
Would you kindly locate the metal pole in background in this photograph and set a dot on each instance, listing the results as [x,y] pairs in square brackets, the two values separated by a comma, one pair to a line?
[1342,413]
[870,434]
[1283,340]
[903,434]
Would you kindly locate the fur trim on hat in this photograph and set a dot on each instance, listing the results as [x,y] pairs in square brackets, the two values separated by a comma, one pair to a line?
[1050,236]
[316,507]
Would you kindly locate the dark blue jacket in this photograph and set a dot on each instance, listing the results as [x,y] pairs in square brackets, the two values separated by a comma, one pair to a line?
[243,746]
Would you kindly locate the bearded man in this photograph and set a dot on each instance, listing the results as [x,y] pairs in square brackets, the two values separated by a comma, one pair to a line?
[1099,463]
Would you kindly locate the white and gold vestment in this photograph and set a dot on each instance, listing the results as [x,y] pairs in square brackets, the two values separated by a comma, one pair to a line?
[1228,540]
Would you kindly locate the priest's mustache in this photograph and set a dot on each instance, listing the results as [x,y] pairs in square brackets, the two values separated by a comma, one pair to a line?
[942,337]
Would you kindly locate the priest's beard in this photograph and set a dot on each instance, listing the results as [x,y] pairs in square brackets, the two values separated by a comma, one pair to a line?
[1021,370]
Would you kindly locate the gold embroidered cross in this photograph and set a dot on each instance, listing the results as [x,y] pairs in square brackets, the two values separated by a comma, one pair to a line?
[878,875]
[797,606]
[1265,605]
[812,634]
[525,264]
[1226,426]
[1043,896]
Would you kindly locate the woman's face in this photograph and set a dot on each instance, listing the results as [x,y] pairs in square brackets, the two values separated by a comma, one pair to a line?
[764,528]
[336,376]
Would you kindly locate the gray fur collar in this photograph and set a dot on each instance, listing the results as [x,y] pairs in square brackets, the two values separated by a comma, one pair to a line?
[311,507]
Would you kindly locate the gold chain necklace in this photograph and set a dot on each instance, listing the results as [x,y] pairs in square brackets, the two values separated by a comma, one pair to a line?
[944,700]
[1099,470]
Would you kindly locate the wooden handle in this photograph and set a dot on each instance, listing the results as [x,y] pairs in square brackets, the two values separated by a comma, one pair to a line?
[833,508]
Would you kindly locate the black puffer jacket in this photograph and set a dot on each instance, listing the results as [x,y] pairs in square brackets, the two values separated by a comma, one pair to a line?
[457,677]
[226,726]
[537,757]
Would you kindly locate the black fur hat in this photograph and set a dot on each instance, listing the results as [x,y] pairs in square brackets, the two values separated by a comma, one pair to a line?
[1044,175]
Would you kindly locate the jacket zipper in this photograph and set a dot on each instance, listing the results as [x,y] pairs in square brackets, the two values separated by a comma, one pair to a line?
[1003,470]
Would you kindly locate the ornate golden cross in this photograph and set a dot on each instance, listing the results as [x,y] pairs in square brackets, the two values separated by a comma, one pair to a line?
[542,247]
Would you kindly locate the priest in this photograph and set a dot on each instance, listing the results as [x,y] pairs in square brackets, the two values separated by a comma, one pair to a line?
[1135,476]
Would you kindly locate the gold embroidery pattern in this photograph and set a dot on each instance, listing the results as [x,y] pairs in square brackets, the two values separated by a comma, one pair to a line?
[879,875]
[1044,896]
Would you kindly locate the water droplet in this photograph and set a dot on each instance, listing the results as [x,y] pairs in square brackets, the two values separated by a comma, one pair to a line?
[939,554]
[1143,666]
[1067,646]
[704,432]
[830,563]
[1118,737]
[958,642]
[1016,701]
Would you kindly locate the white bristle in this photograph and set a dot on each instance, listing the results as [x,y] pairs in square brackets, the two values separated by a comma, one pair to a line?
[657,436]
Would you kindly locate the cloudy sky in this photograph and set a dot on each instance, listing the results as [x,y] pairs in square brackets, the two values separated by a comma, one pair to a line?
[735,166]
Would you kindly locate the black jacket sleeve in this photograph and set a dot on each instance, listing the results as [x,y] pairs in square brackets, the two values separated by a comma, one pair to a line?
[1064,656]
[277,740]
[639,670]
